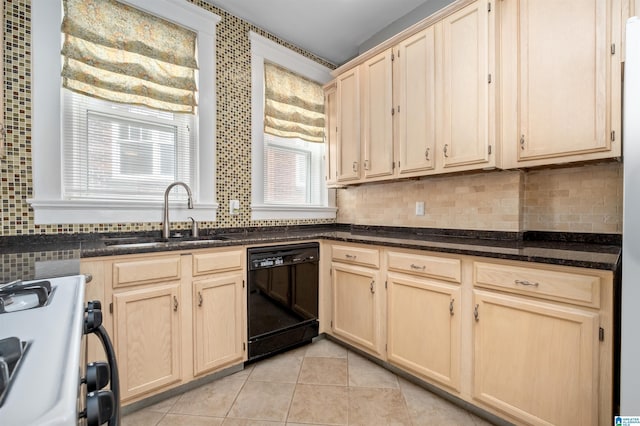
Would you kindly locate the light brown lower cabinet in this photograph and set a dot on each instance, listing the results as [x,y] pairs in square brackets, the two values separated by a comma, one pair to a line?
[536,360]
[423,327]
[147,338]
[174,316]
[528,342]
[218,321]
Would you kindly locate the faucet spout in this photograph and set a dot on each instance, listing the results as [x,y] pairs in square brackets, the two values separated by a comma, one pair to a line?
[165,223]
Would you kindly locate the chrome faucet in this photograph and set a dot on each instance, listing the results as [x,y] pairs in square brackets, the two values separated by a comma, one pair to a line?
[165,223]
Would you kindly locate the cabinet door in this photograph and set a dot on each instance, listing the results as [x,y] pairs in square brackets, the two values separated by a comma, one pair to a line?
[218,322]
[331,135]
[356,306]
[562,80]
[537,361]
[423,327]
[377,123]
[465,88]
[348,94]
[147,338]
[415,74]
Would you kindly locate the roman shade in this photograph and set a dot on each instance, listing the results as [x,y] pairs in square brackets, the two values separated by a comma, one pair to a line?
[118,53]
[294,105]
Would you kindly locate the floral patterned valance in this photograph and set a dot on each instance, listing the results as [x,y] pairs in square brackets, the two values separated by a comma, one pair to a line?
[116,52]
[294,105]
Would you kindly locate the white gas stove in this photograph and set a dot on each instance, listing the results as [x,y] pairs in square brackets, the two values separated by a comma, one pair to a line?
[43,378]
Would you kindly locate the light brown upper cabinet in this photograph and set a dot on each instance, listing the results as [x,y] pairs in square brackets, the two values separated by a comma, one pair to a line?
[377,117]
[423,105]
[561,81]
[465,108]
[348,141]
[415,100]
[331,134]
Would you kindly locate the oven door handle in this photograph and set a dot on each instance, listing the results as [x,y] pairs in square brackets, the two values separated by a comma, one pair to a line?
[101,333]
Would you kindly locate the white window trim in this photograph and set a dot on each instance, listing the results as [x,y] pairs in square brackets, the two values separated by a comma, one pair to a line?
[261,49]
[48,205]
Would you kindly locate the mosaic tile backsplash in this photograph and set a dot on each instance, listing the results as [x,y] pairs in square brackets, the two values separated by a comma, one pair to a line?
[233,126]
[567,199]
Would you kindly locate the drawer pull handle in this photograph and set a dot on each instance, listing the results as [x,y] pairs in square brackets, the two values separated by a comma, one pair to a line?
[451,306]
[422,268]
[475,313]
[526,283]
[371,287]
[199,299]
[350,256]
[175,304]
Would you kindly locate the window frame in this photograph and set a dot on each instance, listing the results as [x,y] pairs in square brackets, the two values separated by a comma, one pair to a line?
[264,49]
[48,203]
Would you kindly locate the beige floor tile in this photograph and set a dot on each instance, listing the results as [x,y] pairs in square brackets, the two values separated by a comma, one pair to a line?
[368,406]
[283,368]
[263,401]
[324,371]
[326,348]
[364,373]
[319,404]
[248,422]
[184,420]
[213,399]
[164,406]
[142,418]
[426,408]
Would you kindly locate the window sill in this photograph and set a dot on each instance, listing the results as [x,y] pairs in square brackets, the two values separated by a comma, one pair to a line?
[48,212]
[269,212]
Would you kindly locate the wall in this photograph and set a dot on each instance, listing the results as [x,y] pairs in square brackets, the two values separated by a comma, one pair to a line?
[416,15]
[584,198]
[233,169]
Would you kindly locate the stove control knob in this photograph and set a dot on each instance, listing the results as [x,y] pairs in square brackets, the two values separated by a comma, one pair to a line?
[100,406]
[98,374]
[94,305]
[92,321]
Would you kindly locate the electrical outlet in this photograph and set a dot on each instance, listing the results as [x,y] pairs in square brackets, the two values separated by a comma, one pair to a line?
[234,207]
[419,208]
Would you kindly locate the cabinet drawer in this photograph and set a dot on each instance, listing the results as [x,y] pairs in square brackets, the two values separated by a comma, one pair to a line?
[219,261]
[144,270]
[582,289]
[356,255]
[424,265]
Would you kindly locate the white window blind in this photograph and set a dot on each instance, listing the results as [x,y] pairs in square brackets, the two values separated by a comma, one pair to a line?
[292,171]
[117,151]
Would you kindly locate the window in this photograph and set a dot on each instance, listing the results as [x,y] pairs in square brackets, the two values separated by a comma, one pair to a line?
[110,161]
[287,173]
[123,151]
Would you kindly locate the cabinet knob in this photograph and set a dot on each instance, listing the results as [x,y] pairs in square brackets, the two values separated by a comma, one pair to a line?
[451,306]
[522,142]
[446,147]
[175,304]
[426,154]
[355,166]
[366,164]
[199,299]
[371,287]
[475,313]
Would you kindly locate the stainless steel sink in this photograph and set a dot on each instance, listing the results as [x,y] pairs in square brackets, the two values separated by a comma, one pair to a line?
[150,242]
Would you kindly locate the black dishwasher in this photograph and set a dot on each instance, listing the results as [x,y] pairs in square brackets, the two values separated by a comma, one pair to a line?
[282,303]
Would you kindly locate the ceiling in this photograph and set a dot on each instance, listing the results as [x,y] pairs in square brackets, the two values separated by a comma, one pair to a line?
[330,29]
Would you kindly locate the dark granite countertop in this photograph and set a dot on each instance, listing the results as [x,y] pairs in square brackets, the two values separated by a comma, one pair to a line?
[32,257]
